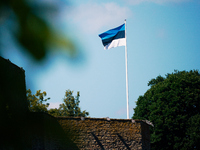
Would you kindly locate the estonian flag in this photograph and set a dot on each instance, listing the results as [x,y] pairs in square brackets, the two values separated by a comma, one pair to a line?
[114,37]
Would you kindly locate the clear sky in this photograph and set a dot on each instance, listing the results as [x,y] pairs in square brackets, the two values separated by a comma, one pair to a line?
[162,35]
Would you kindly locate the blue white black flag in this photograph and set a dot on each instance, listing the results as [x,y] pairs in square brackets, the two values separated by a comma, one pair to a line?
[114,37]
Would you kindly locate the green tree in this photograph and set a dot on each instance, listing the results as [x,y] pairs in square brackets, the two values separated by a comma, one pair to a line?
[55,112]
[35,102]
[172,104]
[70,107]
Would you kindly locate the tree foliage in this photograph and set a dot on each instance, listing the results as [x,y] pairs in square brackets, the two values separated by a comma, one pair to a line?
[35,102]
[172,104]
[70,107]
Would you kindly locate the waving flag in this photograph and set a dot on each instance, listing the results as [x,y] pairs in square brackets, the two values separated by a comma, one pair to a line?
[114,37]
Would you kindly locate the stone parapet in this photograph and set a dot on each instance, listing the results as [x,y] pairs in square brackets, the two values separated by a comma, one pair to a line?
[104,133]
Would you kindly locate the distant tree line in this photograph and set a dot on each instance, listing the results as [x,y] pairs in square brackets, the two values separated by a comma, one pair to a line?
[70,106]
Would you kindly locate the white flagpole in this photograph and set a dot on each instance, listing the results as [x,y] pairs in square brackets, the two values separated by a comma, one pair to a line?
[126,73]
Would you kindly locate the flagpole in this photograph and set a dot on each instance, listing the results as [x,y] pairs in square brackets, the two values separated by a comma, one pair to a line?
[126,73]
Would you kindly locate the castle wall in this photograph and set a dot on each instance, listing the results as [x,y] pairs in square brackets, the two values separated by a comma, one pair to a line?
[12,89]
[20,129]
[102,133]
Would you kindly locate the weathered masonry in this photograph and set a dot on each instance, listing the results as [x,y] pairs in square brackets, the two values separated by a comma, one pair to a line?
[106,133]
[24,130]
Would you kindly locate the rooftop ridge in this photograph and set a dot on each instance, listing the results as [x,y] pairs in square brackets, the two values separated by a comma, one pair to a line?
[105,119]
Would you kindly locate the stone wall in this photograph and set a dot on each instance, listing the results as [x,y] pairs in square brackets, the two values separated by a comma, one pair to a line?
[105,133]
[21,129]
[12,89]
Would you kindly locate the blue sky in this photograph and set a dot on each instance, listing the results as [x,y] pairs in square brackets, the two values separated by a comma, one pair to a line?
[162,35]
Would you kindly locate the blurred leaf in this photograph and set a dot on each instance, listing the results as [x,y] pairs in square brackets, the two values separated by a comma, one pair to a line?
[33,31]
